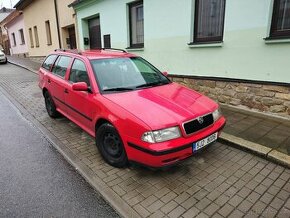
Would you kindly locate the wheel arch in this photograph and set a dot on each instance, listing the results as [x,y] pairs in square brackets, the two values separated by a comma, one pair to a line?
[101,121]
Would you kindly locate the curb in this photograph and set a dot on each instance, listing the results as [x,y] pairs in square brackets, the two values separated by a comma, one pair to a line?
[260,150]
[22,66]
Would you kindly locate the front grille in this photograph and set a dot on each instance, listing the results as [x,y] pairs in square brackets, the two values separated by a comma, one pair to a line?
[194,125]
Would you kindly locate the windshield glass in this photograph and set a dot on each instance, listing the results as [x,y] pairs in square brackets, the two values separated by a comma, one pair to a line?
[125,74]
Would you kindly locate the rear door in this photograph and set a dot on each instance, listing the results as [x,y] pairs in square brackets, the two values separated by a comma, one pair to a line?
[58,83]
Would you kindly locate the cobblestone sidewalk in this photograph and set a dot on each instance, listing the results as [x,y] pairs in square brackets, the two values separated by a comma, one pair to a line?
[220,182]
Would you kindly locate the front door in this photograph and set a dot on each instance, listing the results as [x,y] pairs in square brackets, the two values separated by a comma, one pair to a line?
[95,33]
[81,103]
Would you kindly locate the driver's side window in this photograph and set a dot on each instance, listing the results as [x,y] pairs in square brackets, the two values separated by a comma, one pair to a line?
[79,73]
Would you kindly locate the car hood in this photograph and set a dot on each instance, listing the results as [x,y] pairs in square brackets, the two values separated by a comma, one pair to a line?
[163,106]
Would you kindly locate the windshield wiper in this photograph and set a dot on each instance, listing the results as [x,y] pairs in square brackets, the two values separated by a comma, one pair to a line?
[152,84]
[118,89]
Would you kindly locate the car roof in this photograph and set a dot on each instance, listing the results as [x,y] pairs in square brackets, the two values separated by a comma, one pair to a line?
[97,54]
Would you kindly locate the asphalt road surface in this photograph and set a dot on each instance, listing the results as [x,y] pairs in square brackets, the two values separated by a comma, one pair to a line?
[35,180]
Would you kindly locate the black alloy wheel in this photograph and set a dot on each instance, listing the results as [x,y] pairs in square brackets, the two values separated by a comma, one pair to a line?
[111,146]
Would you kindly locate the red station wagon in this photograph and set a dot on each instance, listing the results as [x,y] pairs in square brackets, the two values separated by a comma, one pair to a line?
[135,113]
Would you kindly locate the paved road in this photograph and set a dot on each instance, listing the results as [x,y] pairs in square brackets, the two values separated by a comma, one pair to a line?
[35,180]
[222,181]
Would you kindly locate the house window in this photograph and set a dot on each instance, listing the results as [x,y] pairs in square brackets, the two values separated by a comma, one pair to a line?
[280,27]
[136,20]
[31,38]
[48,32]
[209,21]
[14,39]
[36,36]
[22,36]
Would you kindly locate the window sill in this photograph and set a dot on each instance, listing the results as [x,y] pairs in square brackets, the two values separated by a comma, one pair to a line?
[205,44]
[135,49]
[270,40]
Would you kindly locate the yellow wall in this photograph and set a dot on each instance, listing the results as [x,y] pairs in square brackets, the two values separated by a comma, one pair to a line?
[66,19]
[36,14]
[40,11]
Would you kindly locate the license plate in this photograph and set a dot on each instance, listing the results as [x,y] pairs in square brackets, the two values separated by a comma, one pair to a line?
[204,142]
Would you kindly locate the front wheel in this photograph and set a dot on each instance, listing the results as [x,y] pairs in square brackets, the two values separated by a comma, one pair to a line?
[50,106]
[111,146]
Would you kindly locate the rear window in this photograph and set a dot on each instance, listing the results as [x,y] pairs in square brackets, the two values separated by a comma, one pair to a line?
[49,62]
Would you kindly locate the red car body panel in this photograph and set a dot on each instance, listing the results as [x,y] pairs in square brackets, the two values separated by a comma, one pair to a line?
[133,113]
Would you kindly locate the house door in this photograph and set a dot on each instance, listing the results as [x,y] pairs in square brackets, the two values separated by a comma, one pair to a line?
[95,33]
[72,38]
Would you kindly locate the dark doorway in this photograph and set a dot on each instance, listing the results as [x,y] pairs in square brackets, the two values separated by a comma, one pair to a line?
[95,33]
[72,38]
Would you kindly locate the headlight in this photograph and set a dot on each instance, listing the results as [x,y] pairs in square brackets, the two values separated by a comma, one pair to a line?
[161,135]
[217,114]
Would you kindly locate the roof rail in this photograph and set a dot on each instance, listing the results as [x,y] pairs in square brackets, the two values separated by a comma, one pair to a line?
[116,49]
[75,51]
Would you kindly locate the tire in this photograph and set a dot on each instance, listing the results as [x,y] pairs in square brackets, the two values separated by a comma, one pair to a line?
[50,106]
[111,146]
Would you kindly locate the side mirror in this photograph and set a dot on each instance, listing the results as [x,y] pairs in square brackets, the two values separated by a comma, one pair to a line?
[165,73]
[80,86]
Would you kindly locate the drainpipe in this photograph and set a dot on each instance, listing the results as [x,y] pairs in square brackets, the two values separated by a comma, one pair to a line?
[57,22]
[8,52]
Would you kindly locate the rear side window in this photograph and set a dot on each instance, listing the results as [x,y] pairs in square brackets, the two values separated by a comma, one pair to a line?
[79,72]
[49,62]
[61,66]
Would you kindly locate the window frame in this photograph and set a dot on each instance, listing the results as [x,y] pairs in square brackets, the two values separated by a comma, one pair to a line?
[21,33]
[31,37]
[274,33]
[130,5]
[206,40]
[14,39]
[36,36]
[48,32]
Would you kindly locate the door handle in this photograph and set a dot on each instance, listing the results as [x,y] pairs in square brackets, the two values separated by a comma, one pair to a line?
[48,81]
[66,91]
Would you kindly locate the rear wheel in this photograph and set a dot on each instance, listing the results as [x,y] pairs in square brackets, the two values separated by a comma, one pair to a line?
[50,106]
[111,146]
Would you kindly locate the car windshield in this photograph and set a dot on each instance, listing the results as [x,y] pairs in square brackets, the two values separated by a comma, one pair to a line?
[125,74]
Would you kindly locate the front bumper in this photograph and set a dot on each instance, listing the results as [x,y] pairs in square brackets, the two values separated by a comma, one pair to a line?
[170,152]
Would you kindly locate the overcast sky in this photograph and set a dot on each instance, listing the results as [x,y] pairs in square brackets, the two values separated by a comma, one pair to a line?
[8,3]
